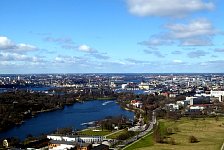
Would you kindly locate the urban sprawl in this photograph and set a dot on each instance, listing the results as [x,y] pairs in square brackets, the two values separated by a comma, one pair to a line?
[150,96]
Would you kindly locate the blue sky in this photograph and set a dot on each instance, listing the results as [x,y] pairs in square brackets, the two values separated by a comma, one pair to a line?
[111,36]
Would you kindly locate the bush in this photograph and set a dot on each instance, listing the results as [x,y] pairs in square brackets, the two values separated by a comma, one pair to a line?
[169,131]
[193,139]
[176,129]
[172,141]
[158,137]
[126,135]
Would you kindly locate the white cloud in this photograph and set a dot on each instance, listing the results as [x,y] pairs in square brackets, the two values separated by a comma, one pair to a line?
[156,41]
[196,42]
[7,45]
[25,47]
[89,50]
[70,59]
[196,33]
[199,27]
[177,61]
[171,8]
[135,61]
[84,48]
[18,57]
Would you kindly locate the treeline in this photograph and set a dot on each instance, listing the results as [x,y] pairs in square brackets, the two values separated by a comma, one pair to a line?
[17,106]
[151,102]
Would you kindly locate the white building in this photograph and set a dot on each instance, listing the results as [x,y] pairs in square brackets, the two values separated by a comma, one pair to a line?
[144,86]
[219,94]
[180,103]
[76,138]
[137,103]
[123,86]
[197,108]
[189,100]
[172,106]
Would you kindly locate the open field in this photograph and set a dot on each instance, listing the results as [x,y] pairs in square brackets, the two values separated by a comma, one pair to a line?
[94,133]
[114,135]
[143,142]
[208,131]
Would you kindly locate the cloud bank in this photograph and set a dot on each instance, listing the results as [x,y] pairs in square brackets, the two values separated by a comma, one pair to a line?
[164,8]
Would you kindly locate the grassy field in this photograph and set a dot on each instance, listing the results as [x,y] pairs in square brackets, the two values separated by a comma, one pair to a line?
[116,134]
[94,133]
[208,131]
[146,141]
[111,134]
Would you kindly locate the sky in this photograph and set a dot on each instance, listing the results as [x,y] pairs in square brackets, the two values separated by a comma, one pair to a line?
[111,36]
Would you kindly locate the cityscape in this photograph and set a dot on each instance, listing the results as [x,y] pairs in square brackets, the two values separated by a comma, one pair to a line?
[172,96]
[111,75]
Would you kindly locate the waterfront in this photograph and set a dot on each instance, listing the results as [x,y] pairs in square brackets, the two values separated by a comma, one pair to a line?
[71,116]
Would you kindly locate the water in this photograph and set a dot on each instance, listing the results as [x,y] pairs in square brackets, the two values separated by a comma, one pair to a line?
[2,90]
[37,89]
[71,116]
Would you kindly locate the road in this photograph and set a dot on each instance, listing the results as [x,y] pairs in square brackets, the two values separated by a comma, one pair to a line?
[140,135]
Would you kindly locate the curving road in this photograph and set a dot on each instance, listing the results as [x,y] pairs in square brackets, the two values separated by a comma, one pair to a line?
[129,142]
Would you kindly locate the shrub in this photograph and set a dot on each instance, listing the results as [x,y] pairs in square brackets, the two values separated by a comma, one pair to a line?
[193,139]
[126,135]
[176,129]
[169,131]
[172,141]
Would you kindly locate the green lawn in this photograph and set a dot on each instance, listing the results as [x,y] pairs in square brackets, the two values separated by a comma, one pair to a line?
[208,131]
[115,135]
[146,141]
[94,133]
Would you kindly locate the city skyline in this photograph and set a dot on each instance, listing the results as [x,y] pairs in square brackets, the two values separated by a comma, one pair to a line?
[117,36]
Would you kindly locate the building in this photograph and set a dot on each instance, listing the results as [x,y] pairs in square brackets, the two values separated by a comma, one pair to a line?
[200,100]
[144,86]
[61,145]
[84,146]
[136,103]
[218,94]
[194,108]
[197,100]
[172,107]
[77,138]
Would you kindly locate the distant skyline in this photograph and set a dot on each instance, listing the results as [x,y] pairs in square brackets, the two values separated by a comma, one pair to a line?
[111,36]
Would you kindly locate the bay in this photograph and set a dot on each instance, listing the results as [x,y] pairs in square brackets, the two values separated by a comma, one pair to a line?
[71,116]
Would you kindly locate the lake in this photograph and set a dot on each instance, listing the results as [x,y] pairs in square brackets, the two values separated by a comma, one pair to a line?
[74,116]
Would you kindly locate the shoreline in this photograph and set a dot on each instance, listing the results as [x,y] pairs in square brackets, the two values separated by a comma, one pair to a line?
[34,114]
